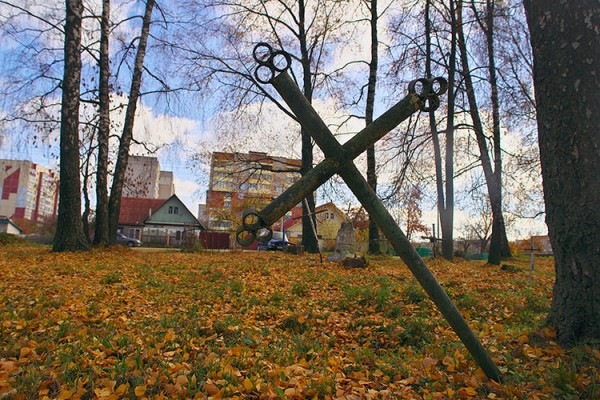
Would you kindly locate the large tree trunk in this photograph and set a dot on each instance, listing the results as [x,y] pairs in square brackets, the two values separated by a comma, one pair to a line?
[101,227]
[309,240]
[566,53]
[69,229]
[114,204]
[493,178]
[374,247]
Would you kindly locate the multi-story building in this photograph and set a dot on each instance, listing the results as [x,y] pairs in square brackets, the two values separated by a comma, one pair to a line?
[27,191]
[166,186]
[144,179]
[239,181]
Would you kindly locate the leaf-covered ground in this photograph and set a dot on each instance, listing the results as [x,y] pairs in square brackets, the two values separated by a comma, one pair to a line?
[132,323]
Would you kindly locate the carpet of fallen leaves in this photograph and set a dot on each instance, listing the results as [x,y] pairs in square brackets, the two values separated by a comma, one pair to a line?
[124,323]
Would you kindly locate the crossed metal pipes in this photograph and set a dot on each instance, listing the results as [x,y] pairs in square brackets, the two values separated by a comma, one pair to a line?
[338,159]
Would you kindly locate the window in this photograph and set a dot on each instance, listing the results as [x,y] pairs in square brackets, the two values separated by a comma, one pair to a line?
[176,210]
[331,216]
[170,210]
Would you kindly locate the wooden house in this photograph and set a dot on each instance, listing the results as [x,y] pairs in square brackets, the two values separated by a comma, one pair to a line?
[329,220]
[158,222]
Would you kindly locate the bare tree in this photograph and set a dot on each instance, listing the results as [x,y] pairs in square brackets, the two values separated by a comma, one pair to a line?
[101,230]
[479,224]
[114,203]
[493,175]
[444,187]
[69,230]
[374,247]
[304,28]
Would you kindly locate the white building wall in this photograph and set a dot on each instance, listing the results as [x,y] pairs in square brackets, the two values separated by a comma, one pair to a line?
[142,177]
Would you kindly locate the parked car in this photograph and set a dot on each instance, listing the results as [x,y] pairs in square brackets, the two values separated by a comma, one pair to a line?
[277,243]
[127,241]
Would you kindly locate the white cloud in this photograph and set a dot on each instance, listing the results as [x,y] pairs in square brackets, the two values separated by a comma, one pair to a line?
[189,193]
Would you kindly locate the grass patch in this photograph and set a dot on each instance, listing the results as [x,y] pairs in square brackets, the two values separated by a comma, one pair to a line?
[267,325]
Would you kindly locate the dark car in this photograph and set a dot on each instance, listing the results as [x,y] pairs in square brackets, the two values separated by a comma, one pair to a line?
[127,241]
[277,243]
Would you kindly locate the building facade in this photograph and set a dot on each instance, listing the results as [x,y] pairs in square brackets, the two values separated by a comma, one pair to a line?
[144,179]
[239,181]
[28,191]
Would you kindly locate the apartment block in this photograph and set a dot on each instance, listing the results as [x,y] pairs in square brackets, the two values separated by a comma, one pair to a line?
[166,186]
[27,190]
[239,181]
[144,179]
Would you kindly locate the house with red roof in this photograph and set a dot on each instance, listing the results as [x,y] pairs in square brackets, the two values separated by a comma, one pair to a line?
[329,220]
[158,222]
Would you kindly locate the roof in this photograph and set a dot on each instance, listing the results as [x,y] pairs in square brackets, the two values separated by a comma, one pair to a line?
[180,220]
[297,215]
[134,210]
[8,221]
[324,206]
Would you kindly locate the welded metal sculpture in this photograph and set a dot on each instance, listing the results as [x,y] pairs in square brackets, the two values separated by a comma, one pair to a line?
[423,95]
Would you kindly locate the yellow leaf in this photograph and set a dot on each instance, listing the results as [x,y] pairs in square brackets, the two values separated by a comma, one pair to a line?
[429,362]
[248,385]
[211,389]
[523,339]
[25,352]
[480,374]
[102,392]
[468,391]
[447,361]
[182,380]
[236,351]
[65,394]
[140,390]
[124,387]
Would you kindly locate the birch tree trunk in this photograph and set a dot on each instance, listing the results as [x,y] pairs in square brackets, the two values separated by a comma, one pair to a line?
[101,228]
[445,187]
[114,204]
[374,247]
